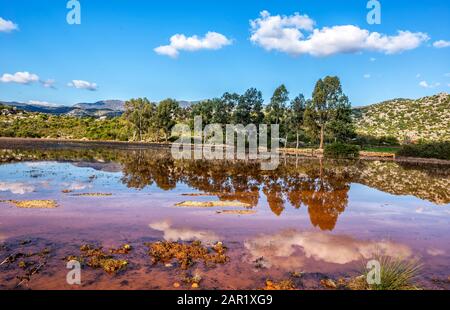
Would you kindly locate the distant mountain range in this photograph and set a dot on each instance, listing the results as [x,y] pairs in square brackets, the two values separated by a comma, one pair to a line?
[113,105]
[108,108]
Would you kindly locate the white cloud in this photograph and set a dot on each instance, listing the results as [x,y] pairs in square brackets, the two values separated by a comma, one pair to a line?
[367,76]
[287,34]
[50,83]
[183,234]
[80,84]
[372,59]
[7,25]
[26,78]
[75,186]
[441,44]
[16,188]
[42,103]
[19,77]
[167,50]
[425,84]
[179,42]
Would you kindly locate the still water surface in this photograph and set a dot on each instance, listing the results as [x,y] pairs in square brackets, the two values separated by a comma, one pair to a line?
[324,219]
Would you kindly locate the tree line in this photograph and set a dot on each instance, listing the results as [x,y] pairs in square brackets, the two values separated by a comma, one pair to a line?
[324,117]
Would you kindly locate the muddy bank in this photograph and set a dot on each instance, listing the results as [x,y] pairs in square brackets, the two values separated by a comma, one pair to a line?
[8,143]
[59,143]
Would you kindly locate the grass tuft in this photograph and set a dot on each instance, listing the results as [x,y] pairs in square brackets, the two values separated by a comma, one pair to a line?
[397,274]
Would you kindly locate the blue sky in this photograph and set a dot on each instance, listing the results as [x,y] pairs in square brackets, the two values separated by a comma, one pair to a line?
[113,47]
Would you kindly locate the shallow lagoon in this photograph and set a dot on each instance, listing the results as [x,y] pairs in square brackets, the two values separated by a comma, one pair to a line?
[318,218]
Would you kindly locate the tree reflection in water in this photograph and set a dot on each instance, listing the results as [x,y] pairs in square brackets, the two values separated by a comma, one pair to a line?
[321,186]
[323,191]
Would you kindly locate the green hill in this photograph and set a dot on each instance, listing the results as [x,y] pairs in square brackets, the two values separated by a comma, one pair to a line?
[427,119]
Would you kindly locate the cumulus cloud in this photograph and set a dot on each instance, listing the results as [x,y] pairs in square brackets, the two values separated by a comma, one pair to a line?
[16,188]
[291,248]
[183,234]
[19,77]
[80,84]
[425,84]
[50,83]
[179,42]
[441,44]
[26,77]
[295,35]
[7,25]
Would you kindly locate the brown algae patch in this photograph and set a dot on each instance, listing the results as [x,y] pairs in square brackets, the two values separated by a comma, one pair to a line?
[96,257]
[92,194]
[33,204]
[192,281]
[187,254]
[283,285]
[237,212]
[328,283]
[212,204]
[124,249]
[356,283]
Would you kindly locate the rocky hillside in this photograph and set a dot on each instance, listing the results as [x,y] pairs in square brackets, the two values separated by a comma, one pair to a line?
[427,118]
[113,105]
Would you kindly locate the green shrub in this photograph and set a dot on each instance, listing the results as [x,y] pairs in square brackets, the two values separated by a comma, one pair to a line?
[341,150]
[376,141]
[439,150]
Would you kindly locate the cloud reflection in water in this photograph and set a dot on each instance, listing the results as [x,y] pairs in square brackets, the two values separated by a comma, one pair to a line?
[290,248]
[183,234]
